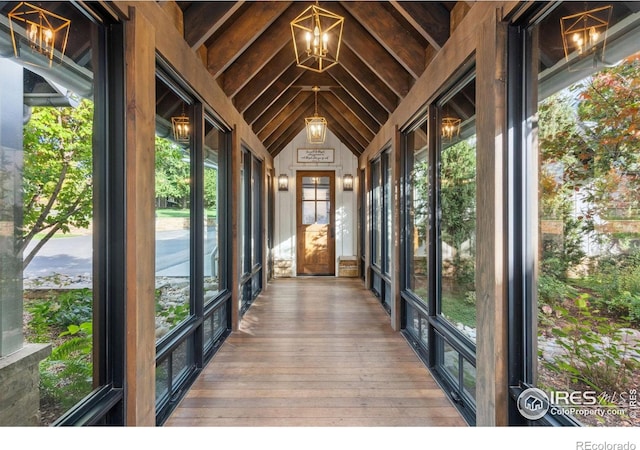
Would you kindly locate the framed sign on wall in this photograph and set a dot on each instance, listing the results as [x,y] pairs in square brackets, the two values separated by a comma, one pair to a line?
[316,155]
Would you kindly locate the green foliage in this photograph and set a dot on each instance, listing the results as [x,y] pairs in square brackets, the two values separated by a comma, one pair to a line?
[57,173]
[597,353]
[458,193]
[552,291]
[174,314]
[592,143]
[460,308]
[60,310]
[172,176]
[210,188]
[421,197]
[66,376]
[458,203]
[616,281]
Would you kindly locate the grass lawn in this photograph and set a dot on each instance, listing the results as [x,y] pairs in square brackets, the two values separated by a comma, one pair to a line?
[180,213]
[459,309]
[175,213]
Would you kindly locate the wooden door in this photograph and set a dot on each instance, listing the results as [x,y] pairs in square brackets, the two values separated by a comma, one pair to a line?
[315,218]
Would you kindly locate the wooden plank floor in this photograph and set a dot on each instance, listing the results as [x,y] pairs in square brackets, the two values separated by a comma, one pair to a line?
[315,352]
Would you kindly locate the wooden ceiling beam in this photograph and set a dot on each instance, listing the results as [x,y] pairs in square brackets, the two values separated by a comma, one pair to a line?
[203,19]
[368,80]
[309,79]
[302,111]
[357,109]
[385,66]
[286,138]
[264,79]
[167,102]
[257,56]
[347,139]
[391,34]
[328,99]
[335,119]
[353,147]
[283,116]
[272,111]
[431,20]
[359,94]
[241,33]
[264,102]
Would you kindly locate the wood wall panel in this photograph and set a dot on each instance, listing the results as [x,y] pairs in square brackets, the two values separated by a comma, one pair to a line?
[491,305]
[140,225]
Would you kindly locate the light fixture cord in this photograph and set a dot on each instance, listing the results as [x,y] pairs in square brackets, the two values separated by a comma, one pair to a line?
[316,102]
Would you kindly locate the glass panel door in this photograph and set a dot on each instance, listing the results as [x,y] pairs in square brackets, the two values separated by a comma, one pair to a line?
[316,248]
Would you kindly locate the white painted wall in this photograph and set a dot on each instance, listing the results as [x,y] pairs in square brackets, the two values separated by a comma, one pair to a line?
[285,203]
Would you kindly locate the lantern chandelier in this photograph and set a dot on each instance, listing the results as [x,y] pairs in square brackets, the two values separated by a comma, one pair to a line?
[450,127]
[586,33]
[181,127]
[317,35]
[316,125]
[40,30]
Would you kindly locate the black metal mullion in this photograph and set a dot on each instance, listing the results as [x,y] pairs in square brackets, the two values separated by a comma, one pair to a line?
[197,231]
[516,210]
[434,248]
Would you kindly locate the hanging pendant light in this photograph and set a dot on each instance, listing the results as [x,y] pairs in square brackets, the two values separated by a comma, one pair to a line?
[450,127]
[181,127]
[40,31]
[316,125]
[584,35]
[317,36]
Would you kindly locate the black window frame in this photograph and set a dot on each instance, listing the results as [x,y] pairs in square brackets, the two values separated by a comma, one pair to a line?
[105,404]
[192,330]
[382,207]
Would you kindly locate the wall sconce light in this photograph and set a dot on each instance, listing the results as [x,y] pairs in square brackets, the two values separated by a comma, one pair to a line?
[181,127]
[586,33]
[283,182]
[347,182]
[44,32]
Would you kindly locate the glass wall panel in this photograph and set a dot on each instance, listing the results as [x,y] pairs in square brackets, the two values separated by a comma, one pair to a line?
[388,242]
[413,321]
[587,255]
[376,212]
[173,211]
[457,224]
[469,379]
[256,212]
[382,231]
[451,362]
[242,220]
[417,197]
[51,156]
[181,361]
[162,380]
[250,228]
[213,143]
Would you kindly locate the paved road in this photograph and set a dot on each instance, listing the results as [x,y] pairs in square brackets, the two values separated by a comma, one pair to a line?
[72,255]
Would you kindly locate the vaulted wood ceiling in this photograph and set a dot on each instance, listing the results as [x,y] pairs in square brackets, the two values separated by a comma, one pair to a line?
[247,47]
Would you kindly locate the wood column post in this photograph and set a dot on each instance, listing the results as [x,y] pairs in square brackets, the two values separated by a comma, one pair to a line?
[235,187]
[491,307]
[396,177]
[140,221]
